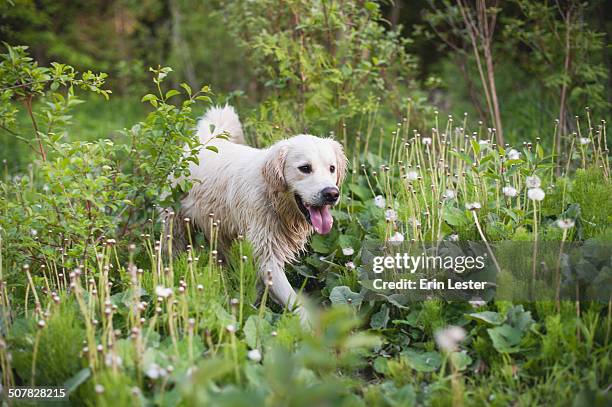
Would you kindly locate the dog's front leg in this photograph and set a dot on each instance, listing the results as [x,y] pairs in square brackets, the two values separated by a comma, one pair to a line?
[273,275]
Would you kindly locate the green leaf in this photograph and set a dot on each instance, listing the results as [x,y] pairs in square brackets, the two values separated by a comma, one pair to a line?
[187,88]
[343,295]
[251,335]
[148,97]
[489,317]
[324,244]
[381,318]
[475,147]
[371,6]
[461,360]
[75,381]
[172,92]
[519,318]
[505,338]
[362,340]
[213,149]
[423,362]
[455,216]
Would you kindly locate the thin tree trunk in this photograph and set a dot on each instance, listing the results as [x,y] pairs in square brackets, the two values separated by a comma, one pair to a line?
[566,68]
[395,13]
[480,36]
[179,45]
[499,132]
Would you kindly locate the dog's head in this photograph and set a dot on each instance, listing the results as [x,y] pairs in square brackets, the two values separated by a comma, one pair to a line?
[310,169]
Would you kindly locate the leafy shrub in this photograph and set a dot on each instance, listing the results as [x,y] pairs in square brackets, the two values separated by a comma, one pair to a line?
[85,192]
[322,64]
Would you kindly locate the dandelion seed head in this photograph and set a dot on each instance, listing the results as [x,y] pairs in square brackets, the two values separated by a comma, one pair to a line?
[163,292]
[536,194]
[533,181]
[348,251]
[449,338]
[396,238]
[566,223]
[390,215]
[510,192]
[411,176]
[513,154]
[254,355]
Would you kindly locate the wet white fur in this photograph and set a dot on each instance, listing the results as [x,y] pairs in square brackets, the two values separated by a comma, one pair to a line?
[251,193]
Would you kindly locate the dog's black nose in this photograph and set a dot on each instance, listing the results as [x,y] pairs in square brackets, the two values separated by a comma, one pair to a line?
[330,194]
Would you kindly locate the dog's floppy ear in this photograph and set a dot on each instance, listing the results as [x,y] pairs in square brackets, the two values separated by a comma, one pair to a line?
[273,169]
[341,161]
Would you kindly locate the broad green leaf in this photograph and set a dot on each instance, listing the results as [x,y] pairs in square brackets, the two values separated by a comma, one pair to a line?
[461,360]
[505,338]
[488,317]
[343,295]
[381,318]
[422,362]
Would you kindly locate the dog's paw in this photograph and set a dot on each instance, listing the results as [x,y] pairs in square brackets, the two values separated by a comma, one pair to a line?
[305,318]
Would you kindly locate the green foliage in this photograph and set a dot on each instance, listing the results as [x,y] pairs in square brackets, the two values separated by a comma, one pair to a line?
[58,345]
[593,195]
[102,312]
[84,191]
[555,33]
[322,64]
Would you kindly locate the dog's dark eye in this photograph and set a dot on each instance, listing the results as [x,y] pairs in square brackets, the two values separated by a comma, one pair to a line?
[306,168]
[332,169]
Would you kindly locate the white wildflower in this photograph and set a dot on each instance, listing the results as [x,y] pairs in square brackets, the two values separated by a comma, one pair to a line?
[411,176]
[350,265]
[510,192]
[155,371]
[513,155]
[348,251]
[536,194]
[449,194]
[163,291]
[396,239]
[379,201]
[584,141]
[390,215]
[426,141]
[533,182]
[472,206]
[454,237]
[477,302]
[566,223]
[449,338]
[254,355]
[231,328]
[112,360]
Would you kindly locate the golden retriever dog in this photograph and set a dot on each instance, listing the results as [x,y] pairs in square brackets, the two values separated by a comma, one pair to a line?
[275,197]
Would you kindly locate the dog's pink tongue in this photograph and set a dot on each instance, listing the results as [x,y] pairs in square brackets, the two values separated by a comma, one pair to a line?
[321,219]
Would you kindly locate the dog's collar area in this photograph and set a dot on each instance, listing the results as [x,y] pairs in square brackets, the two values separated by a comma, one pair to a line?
[302,207]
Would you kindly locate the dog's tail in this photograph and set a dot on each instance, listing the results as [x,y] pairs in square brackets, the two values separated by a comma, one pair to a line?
[219,120]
